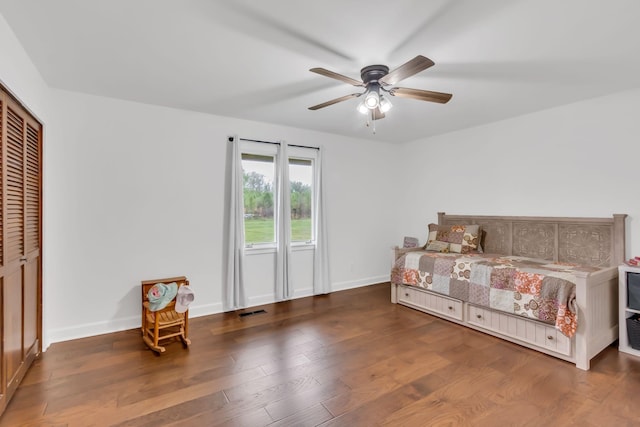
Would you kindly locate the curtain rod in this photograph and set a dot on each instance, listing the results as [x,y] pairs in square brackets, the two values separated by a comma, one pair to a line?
[274,143]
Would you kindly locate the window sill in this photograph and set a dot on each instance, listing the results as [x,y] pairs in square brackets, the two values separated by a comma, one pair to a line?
[295,247]
[299,247]
[259,250]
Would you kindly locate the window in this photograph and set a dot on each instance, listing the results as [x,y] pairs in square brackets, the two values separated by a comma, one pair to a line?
[258,172]
[301,199]
[260,166]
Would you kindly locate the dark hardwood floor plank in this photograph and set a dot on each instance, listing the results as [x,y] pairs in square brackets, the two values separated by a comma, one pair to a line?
[258,417]
[214,380]
[178,412]
[308,417]
[271,384]
[427,412]
[373,411]
[301,401]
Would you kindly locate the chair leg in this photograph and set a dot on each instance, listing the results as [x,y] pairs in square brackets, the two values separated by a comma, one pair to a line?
[185,331]
[186,342]
[156,330]
[152,346]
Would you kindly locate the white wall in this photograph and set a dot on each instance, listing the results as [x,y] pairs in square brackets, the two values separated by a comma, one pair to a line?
[137,192]
[576,160]
[19,75]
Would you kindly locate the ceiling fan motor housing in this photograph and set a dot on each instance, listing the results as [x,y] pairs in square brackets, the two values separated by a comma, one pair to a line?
[373,73]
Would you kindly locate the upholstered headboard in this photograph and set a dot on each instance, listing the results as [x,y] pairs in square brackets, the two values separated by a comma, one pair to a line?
[596,242]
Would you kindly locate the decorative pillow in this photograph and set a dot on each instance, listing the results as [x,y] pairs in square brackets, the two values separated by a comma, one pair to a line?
[438,246]
[462,239]
[410,242]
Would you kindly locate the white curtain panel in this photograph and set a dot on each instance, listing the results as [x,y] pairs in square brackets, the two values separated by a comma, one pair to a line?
[235,294]
[321,281]
[284,289]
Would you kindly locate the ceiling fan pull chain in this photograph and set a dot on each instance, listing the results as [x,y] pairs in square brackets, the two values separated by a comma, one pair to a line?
[373,120]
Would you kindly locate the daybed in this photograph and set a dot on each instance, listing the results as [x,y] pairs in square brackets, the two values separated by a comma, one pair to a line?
[551,283]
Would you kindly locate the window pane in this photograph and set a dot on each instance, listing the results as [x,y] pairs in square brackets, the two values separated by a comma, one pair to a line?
[258,173]
[301,182]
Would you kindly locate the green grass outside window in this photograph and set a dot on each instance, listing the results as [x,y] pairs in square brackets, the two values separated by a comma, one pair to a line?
[260,230]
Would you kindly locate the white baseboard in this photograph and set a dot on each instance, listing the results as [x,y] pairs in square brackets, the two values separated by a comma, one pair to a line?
[260,300]
[92,329]
[342,286]
[270,298]
[301,293]
[205,310]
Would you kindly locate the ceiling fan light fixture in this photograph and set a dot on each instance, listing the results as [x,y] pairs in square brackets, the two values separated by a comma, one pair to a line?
[385,104]
[362,109]
[372,97]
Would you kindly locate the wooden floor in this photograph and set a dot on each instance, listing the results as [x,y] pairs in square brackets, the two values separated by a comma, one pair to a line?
[348,359]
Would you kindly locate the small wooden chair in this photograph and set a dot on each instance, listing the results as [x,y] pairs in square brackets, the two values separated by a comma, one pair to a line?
[166,322]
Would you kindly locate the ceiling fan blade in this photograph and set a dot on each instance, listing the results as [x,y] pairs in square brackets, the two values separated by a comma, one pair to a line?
[335,101]
[421,95]
[377,114]
[327,73]
[408,69]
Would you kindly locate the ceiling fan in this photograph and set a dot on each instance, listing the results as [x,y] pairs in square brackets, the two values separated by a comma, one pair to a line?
[379,82]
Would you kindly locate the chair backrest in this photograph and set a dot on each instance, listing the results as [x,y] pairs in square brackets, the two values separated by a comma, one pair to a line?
[148,284]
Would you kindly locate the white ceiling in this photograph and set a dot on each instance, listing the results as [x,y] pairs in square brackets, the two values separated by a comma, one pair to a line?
[250,59]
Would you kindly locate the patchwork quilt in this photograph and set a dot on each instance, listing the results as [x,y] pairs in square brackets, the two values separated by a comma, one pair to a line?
[538,289]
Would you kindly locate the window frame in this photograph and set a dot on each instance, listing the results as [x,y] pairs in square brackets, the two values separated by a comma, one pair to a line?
[310,154]
[297,153]
[270,150]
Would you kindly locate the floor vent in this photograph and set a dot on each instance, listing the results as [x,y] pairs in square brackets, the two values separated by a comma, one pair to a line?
[251,313]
